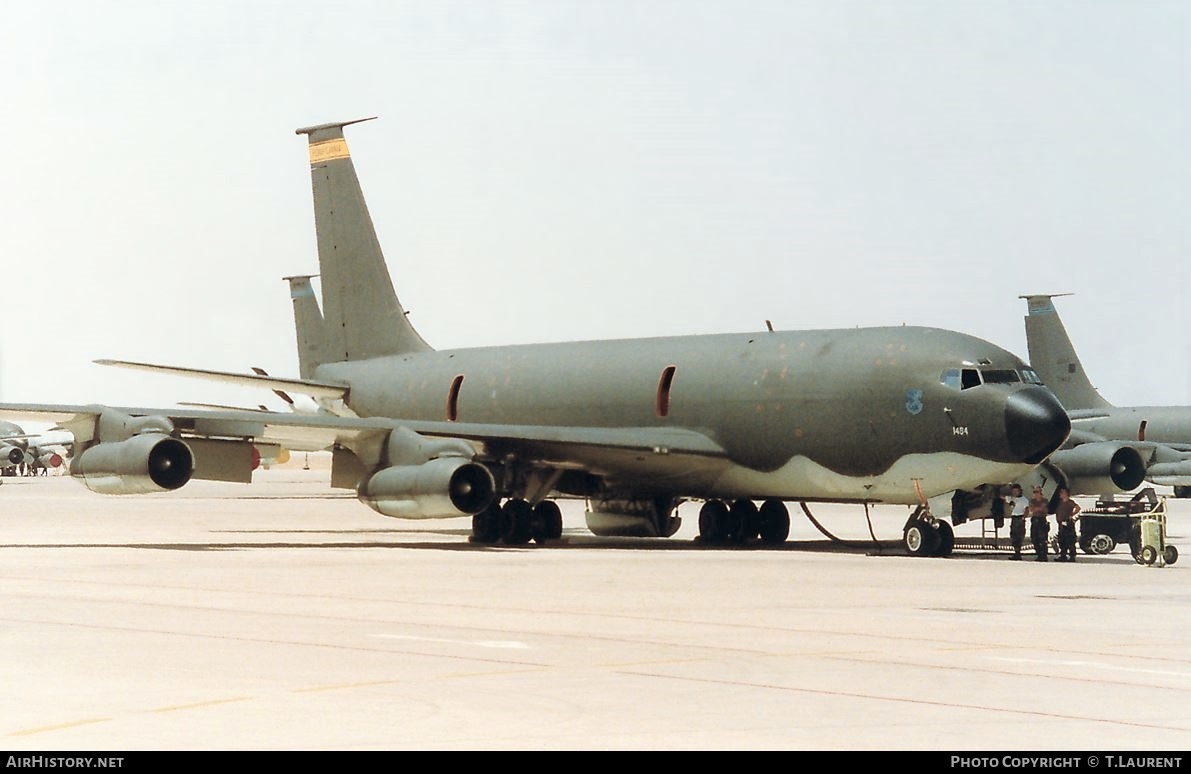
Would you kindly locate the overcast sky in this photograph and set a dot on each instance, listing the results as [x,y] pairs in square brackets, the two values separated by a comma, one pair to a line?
[559,170]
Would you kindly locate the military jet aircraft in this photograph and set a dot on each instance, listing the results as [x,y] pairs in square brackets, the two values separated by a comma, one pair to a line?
[36,451]
[1145,442]
[632,426]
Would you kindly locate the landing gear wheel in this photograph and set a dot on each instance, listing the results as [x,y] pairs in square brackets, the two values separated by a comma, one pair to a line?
[516,522]
[1101,544]
[1182,492]
[713,522]
[920,538]
[1170,554]
[744,521]
[547,521]
[946,539]
[1149,555]
[773,522]
[485,525]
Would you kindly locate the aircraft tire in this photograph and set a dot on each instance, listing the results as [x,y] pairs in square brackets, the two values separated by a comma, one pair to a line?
[486,525]
[745,521]
[516,522]
[1170,554]
[713,521]
[547,521]
[920,538]
[773,522]
[1182,492]
[946,539]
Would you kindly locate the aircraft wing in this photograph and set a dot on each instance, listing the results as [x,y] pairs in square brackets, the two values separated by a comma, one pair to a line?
[664,453]
[1078,414]
[297,432]
[1079,437]
[593,449]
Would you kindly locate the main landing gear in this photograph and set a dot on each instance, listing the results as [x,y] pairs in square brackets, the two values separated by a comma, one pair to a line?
[517,522]
[924,535]
[742,521]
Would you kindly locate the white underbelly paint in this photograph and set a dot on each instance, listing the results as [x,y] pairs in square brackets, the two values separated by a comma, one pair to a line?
[936,473]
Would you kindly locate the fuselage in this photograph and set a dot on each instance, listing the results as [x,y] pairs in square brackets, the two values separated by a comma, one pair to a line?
[865,414]
[1156,424]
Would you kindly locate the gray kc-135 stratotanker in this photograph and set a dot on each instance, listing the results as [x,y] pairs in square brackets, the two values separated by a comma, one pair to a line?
[634,427]
[1148,442]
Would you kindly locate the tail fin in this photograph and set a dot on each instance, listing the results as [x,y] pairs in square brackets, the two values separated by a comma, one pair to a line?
[362,317]
[309,327]
[1053,356]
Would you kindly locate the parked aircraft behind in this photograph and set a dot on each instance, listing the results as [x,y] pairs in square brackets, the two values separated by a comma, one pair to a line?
[1159,435]
[36,451]
[633,426]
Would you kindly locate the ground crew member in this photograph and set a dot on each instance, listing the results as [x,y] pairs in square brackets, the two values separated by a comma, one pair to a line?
[1039,524]
[1067,514]
[1018,505]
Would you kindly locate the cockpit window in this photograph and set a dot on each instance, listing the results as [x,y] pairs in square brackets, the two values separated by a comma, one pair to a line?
[1000,376]
[1030,376]
[961,378]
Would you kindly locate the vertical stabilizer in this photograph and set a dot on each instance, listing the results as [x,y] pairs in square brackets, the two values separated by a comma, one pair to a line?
[308,326]
[1053,356]
[362,317]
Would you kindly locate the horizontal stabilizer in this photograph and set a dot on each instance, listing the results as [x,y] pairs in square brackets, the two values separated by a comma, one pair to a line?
[221,406]
[314,389]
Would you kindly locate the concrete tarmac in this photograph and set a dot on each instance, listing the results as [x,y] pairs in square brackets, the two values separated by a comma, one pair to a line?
[287,616]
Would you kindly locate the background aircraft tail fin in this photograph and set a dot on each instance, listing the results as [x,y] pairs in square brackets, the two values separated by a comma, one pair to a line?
[308,326]
[1053,356]
[361,316]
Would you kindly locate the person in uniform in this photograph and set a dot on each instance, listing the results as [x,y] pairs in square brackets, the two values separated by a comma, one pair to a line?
[1067,514]
[1039,524]
[1018,504]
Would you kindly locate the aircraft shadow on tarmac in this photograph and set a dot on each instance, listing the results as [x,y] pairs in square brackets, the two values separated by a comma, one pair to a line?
[882,548]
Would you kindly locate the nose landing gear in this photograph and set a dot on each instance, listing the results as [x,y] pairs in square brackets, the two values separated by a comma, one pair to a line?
[924,535]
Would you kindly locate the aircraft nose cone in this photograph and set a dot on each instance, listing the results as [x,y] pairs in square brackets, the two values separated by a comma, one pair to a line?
[1036,424]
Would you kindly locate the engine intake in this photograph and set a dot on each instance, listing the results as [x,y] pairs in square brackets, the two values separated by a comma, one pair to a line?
[441,488]
[142,464]
[1101,468]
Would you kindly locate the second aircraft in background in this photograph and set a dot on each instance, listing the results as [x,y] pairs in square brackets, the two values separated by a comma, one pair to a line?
[1159,435]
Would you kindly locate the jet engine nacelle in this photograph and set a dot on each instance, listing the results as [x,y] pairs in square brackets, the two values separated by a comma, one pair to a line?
[633,518]
[1171,469]
[11,455]
[1101,468]
[440,488]
[46,458]
[152,462]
